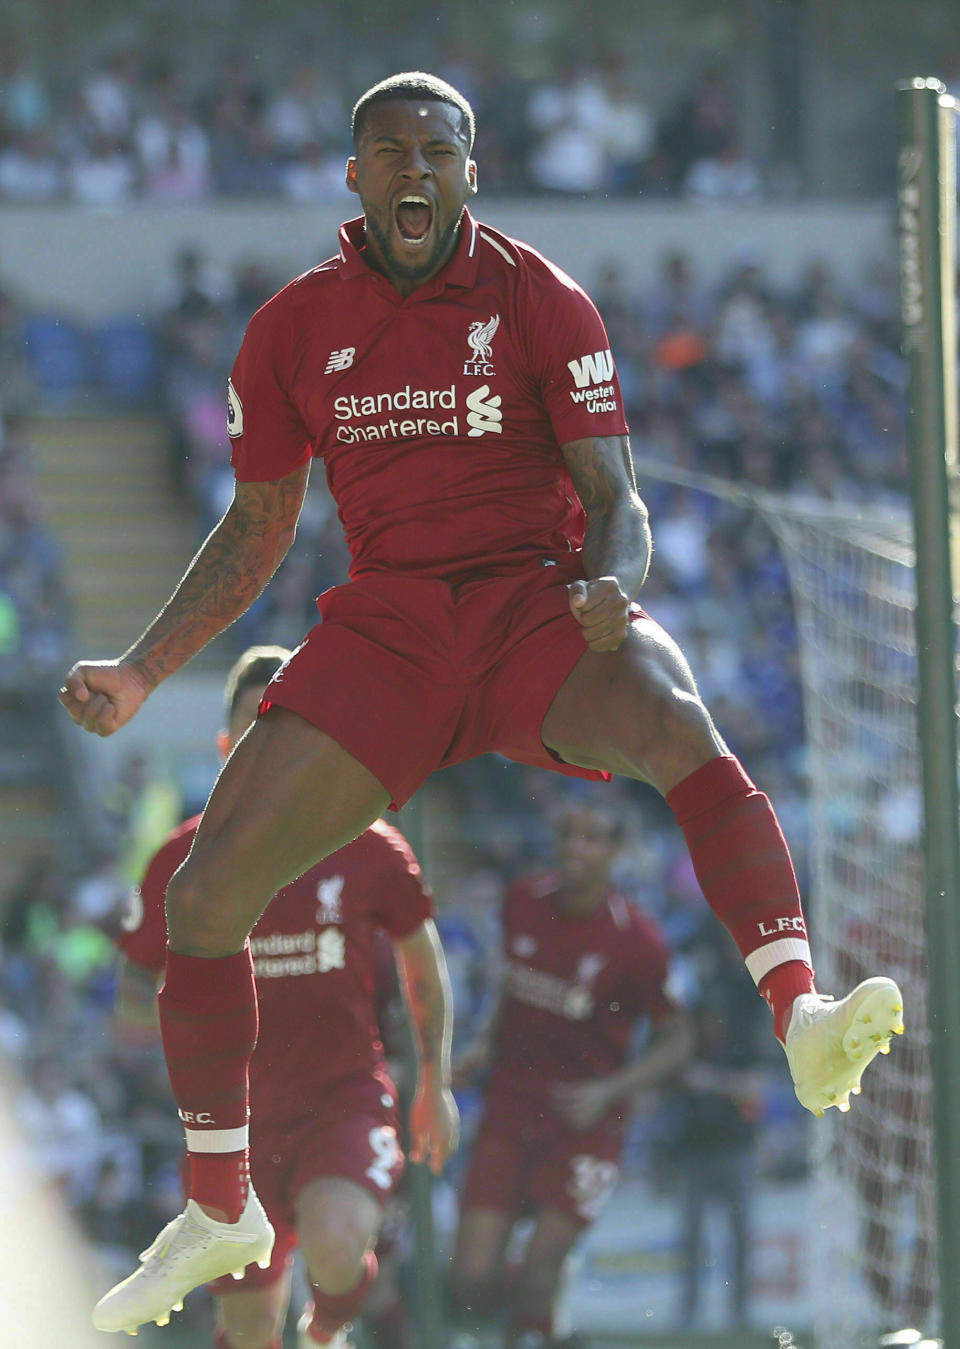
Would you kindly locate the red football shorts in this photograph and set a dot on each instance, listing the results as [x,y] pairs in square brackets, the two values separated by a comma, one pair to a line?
[524,1168]
[411,675]
[353,1134]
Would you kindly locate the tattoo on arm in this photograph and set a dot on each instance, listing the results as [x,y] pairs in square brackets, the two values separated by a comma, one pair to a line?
[617,540]
[228,573]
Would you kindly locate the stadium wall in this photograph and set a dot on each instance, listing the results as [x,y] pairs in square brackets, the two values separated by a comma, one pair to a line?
[91,265]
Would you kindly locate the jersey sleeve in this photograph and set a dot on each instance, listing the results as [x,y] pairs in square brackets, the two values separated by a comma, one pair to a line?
[143,928]
[572,360]
[267,436]
[402,899]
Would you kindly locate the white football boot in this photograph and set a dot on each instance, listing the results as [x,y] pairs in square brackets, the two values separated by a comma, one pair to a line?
[305,1340]
[829,1043]
[191,1250]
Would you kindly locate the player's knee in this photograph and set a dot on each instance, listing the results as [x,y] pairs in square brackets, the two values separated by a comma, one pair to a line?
[674,736]
[197,919]
[334,1259]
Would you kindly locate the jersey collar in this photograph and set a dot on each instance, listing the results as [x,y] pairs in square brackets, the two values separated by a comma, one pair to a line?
[461,270]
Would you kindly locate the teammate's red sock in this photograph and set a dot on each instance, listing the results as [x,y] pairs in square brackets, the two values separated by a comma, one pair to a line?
[332,1312]
[208,1021]
[742,863]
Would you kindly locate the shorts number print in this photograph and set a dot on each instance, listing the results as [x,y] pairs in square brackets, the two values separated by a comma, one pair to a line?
[386,1156]
[591,1184]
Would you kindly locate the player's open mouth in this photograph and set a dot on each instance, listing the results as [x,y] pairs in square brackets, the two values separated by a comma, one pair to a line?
[414,216]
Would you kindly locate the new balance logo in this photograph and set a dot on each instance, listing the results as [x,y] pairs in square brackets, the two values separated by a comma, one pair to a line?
[340,360]
[594,368]
[484,411]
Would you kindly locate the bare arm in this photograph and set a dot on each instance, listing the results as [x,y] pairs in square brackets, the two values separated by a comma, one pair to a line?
[670,1048]
[617,543]
[231,569]
[426,991]
[583,1104]
[434,1121]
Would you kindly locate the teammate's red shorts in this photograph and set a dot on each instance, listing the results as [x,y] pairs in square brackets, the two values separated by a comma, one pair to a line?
[352,1134]
[522,1168]
[412,675]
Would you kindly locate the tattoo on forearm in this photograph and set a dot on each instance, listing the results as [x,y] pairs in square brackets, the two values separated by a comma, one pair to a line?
[226,576]
[617,537]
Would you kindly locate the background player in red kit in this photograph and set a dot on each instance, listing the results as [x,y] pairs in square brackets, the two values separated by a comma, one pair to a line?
[461,392]
[325,1157]
[582,965]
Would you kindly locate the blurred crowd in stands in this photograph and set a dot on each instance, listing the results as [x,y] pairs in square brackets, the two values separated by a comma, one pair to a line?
[799,391]
[134,128]
[34,600]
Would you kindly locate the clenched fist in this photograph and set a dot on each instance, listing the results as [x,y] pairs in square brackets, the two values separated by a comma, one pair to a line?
[602,610]
[102,695]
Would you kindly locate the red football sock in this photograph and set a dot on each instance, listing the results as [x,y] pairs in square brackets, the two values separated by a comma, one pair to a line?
[742,863]
[208,1022]
[330,1312]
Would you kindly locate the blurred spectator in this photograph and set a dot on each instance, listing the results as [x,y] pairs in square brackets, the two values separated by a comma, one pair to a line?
[700,126]
[109,95]
[718,1109]
[34,610]
[726,176]
[62,1125]
[104,174]
[569,119]
[173,149]
[143,805]
[24,102]
[306,112]
[30,170]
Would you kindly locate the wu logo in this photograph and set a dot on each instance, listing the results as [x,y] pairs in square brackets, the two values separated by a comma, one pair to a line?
[480,337]
[594,368]
[340,360]
[484,414]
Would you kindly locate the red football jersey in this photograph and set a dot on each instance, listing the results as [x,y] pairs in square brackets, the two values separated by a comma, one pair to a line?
[438,416]
[314,961]
[574,987]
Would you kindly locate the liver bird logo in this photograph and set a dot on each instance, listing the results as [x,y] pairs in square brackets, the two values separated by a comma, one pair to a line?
[480,337]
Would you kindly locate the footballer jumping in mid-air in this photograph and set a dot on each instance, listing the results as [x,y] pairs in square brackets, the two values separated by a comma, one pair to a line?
[498,543]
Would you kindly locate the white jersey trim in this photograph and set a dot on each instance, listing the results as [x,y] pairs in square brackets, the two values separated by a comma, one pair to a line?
[767,958]
[499,247]
[218,1140]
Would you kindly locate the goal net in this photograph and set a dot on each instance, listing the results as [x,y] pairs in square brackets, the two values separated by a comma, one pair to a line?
[871,1215]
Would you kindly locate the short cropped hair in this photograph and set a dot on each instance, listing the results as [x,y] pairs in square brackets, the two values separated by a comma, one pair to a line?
[254,669]
[412,84]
